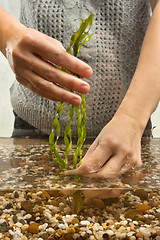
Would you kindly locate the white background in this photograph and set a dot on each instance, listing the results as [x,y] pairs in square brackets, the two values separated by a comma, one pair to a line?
[7,78]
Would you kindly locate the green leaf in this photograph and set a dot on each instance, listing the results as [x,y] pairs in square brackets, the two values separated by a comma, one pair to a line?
[87,39]
[76,42]
[78,201]
[79,36]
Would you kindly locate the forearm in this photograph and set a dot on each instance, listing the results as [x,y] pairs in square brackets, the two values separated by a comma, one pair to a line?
[8,28]
[153,3]
[144,92]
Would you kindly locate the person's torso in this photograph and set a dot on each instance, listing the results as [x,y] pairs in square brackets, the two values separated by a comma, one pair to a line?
[118,26]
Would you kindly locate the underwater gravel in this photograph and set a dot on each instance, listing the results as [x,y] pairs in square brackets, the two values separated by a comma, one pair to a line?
[55,214]
[32,167]
[37,202]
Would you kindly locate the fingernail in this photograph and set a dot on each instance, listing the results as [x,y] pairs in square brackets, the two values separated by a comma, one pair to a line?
[76,101]
[85,88]
[88,72]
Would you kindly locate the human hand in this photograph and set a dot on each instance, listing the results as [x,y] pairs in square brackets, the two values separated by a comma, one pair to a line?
[95,193]
[116,150]
[34,60]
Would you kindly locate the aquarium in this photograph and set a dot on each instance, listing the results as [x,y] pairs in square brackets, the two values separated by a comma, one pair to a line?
[37,201]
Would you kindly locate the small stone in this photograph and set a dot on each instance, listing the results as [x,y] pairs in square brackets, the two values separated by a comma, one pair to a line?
[3,227]
[52,237]
[61,226]
[139,235]
[131,213]
[67,210]
[92,237]
[141,193]
[105,236]
[55,210]
[123,223]
[45,194]
[59,232]
[50,230]
[104,225]
[25,227]
[68,236]
[27,206]
[16,195]
[132,227]
[145,231]
[157,215]
[7,235]
[75,236]
[135,222]
[110,232]
[77,229]
[18,224]
[27,216]
[22,221]
[71,230]
[143,207]
[24,238]
[121,229]
[94,202]
[9,205]
[33,228]
[54,202]
[15,219]
[39,194]
[45,236]
[75,221]
[85,223]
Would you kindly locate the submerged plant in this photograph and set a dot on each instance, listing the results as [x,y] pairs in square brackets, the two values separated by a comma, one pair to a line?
[77,40]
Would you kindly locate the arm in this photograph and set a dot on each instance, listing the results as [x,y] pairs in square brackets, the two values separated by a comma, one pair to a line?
[34,57]
[153,4]
[117,148]
[143,94]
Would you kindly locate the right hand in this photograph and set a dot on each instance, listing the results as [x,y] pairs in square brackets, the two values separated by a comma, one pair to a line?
[35,57]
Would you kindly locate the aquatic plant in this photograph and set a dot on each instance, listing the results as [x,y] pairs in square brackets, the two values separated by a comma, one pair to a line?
[76,42]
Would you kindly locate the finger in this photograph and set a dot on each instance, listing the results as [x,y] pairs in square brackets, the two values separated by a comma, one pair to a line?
[52,50]
[112,193]
[28,85]
[125,168]
[50,90]
[133,160]
[94,162]
[23,81]
[101,193]
[51,73]
[129,166]
[87,155]
[110,168]
[68,192]
[90,150]
[125,164]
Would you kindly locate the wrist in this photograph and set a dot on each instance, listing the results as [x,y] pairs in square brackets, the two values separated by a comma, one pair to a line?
[9,29]
[134,122]
[135,110]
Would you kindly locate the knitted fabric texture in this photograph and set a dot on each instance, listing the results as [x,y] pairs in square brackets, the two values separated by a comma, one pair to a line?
[119,27]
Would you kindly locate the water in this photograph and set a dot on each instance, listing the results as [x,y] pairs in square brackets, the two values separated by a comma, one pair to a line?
[38,202]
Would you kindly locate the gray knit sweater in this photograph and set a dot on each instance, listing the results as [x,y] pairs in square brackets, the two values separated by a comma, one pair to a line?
[119,27]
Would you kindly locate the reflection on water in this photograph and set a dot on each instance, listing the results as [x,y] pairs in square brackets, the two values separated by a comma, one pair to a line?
[38,202]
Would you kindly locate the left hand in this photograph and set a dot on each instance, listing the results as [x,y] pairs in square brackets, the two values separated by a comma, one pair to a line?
[116,149]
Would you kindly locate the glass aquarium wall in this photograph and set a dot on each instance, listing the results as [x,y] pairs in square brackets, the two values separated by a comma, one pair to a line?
[38,201]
